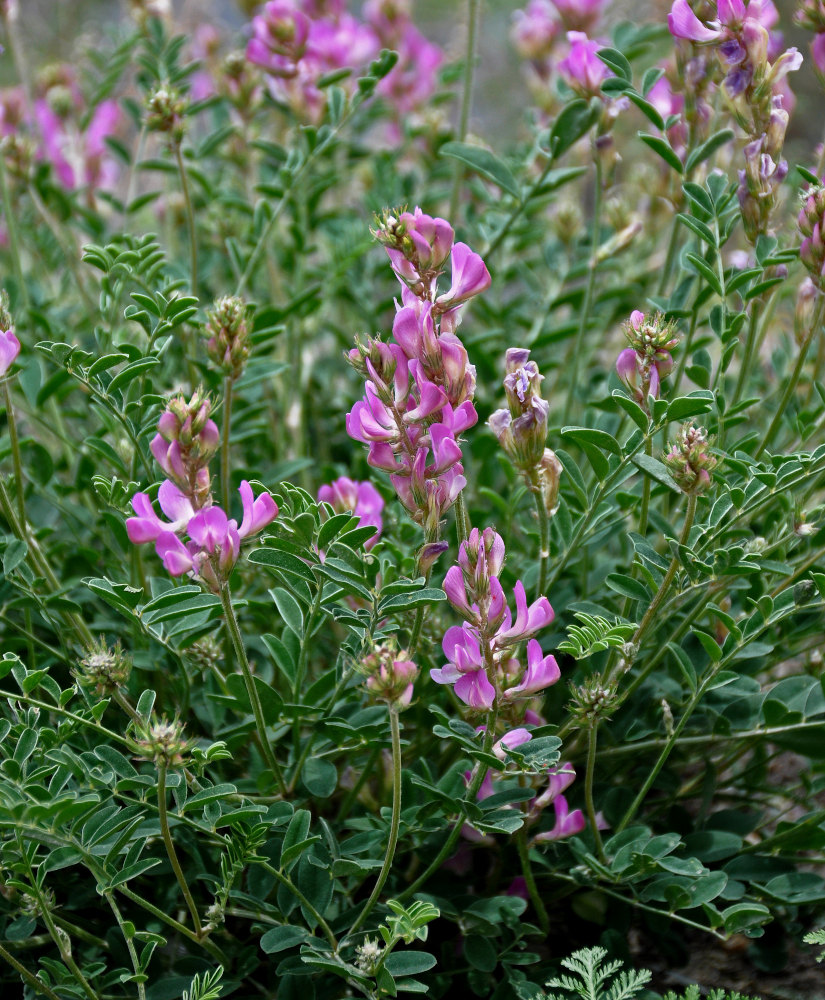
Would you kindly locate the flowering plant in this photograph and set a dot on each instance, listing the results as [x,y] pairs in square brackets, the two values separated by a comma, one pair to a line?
[411,531]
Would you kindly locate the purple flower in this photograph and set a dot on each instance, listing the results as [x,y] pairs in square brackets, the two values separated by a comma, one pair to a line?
[466,668]
[580,15]
[509,741]
[541,672]
[9,349]
[683,23]
[469,277]
[147,526]
[559,780]
[582,69]
[535,29]
[567,824]
[363,499]
[528,620]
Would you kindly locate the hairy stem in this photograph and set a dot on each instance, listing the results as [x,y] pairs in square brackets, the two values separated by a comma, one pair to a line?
[171,853]
[395,820]
[592,740]
[473,9]
[544,540]
[190,219]
[249,680]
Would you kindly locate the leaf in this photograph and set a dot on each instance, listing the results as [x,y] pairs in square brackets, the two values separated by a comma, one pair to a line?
[656,470]
[320,777]
[590,435]
[132,871]
[16,552]
[289,610]
[706,271]
[691,405]
[484,162]
[614,60]
[573,121]
[426,595]
[708,148]
[213,794]
[711,646]
[409,963]
[131,372]
[280,938]
[632,409]
[295,838]
[627,586]
[664,149]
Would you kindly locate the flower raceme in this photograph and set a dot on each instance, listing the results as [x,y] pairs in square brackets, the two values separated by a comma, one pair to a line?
[187,438]
[214,538]
[479,665]
[648,360]
[419,388]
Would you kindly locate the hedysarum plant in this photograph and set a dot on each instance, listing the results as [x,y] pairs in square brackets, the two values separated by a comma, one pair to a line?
[277,702]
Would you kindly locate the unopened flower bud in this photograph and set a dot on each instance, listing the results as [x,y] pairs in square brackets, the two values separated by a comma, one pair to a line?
[163,743]
[689,460]
[549,476]
[104,668]
[806,299]
[227,335]
[429,554]
[390,677]
[165,109]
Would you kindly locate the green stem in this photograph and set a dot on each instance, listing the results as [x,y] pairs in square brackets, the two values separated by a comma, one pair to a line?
[249,680]
[592,739]
[747,357]
[530,881]
[36,984]
[171,853]
[395,820]
[287,882]
[226,425]
[645,506]
[578,344]
[690,514]
[671,253]
[455,833]
[685,350]
[473,7]
[176,925]
[791,386]
[190,219]
[130,945]
[544,540]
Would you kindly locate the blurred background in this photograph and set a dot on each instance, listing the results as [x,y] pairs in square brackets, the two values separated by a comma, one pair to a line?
[54,30]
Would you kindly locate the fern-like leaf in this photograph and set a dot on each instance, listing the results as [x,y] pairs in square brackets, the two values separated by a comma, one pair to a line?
[594,635]
[206,988]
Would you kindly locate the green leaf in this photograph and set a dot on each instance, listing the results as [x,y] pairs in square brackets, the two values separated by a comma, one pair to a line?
[706,271]
[711,646]
[483,162]
[132,871]
[573,121]
[15,553]
[280,938]
[426,595]
[708,148]
[290,611]
[664,149]
[690,406]
[656,470]
[632,409]
[614,60]
[213,794]
[409,963]
[320,777]
[628,587]
[295,838]
[590,435]
[131,372]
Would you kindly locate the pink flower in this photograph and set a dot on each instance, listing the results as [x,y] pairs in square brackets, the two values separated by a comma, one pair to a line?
[257,512]
[567,824]
[683,23]
[582,69]
[535,29]
[541,672]
[580,15]
[509,741]
[147,526]
[9,349]
[528,621]
[466,669]
[559,780]
[363,499]
[469,277]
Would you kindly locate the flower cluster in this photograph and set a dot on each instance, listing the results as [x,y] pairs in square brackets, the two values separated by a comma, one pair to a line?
[811,15]
[648,360]
[811,223]
[480,664]
[362,499]
[227,335]
[390,675]
[419,389]
[297,42]
[689,460]
[186,440]
[567,822]
[521,428]
[214,539]
[539,32]
[754,85]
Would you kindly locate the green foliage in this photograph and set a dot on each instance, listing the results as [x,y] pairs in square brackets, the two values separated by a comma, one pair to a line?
[595,979]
